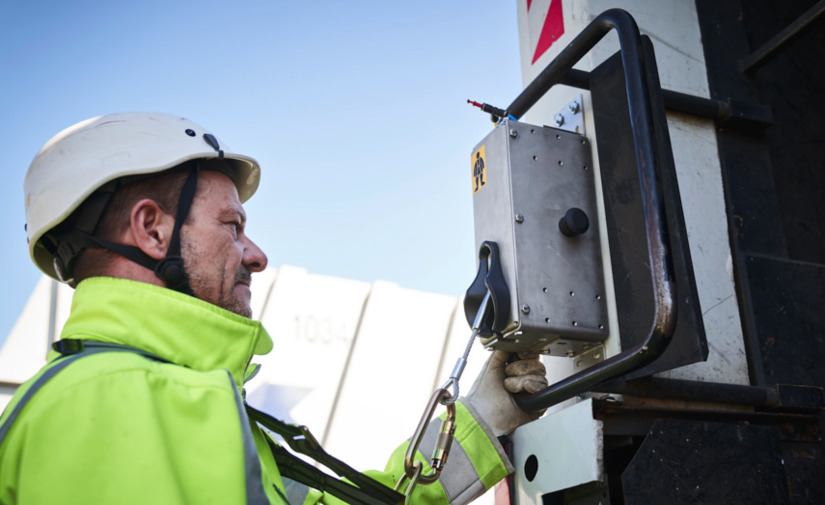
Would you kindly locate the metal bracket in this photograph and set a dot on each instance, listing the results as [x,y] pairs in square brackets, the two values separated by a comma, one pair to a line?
[571,116]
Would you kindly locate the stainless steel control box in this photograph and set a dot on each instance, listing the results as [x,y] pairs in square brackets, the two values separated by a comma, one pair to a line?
[534,195]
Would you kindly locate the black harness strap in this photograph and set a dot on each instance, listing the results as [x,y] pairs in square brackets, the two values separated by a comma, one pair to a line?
[298,470]
[367,491]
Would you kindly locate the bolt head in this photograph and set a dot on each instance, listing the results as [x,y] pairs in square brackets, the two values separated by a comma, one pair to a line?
[519,218]
[525,309]
[559,120]
[574,107]
[513,133]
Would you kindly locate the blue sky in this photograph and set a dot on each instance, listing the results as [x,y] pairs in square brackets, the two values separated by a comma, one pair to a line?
[356,111]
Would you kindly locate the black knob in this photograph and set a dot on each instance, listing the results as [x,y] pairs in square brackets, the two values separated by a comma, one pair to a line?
[574,222]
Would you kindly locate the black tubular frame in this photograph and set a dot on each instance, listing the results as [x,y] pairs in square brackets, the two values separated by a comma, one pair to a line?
[640,99]
[725,111]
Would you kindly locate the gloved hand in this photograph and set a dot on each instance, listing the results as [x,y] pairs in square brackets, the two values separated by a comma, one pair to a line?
[491,395]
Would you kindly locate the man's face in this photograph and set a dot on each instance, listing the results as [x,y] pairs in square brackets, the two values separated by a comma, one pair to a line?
[218,256]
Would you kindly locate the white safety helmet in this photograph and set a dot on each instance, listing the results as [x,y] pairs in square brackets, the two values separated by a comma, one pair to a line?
[82,158]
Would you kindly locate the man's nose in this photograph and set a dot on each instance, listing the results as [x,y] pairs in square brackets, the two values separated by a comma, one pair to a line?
[253,257]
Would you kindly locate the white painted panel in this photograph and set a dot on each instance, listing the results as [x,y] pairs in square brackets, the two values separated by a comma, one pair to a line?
[567,447]
[262,283]
[390,376]
[312,320]
[700,182]
[24,351]
[5,398]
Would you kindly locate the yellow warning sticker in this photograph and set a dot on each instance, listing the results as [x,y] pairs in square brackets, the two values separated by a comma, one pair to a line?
[478,161]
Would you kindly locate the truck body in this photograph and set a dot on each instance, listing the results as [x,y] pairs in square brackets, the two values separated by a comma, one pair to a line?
[700,380]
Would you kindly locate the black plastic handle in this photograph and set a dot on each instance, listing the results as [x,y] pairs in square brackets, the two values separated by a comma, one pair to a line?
[489,279]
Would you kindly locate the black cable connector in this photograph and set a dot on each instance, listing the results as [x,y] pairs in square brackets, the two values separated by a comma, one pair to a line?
[495,113]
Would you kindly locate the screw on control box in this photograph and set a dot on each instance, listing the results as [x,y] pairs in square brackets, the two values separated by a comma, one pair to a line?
[534,196]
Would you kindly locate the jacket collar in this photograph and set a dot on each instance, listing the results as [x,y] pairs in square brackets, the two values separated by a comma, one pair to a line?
[174,326]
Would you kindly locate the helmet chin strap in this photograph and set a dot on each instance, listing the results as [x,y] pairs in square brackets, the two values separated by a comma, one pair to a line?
[169,269]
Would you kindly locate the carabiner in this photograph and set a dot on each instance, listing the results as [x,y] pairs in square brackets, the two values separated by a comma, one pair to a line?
[442,446]
[413,482]
[452,386]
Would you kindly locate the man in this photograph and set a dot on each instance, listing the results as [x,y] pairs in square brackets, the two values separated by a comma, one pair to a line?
[141,400]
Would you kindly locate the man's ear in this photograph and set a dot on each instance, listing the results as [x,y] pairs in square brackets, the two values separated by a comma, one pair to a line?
[151,228]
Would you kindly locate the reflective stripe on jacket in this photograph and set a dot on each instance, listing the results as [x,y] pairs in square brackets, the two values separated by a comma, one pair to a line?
[121,428]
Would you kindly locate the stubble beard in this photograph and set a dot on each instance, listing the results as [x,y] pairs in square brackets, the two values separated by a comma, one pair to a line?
[226,298]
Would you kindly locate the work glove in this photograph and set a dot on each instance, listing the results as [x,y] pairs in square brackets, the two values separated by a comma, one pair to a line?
[491,396]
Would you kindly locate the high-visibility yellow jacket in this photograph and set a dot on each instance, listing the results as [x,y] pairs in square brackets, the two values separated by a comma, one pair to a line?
[116,427]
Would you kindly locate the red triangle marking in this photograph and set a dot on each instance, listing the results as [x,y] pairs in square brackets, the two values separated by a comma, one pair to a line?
[551,31]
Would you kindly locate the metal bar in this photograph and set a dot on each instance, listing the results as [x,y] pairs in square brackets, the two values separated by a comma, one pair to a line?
[606,411]
[576,78]
[781,38]
[641,118]
[698,106]
[629,40]
[674,100]
[677,389]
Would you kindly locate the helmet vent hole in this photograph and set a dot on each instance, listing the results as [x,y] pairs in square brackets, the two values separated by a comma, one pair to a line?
[190,132]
